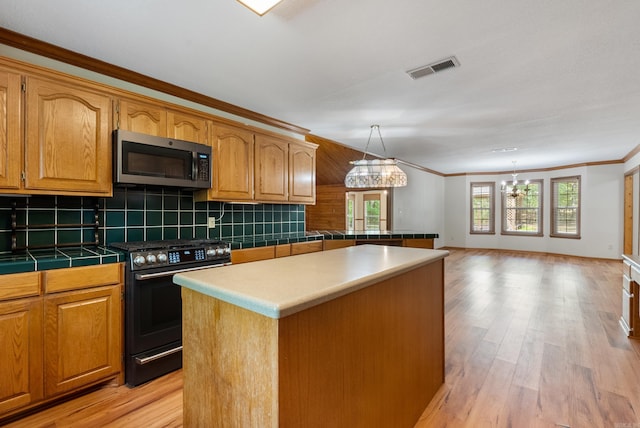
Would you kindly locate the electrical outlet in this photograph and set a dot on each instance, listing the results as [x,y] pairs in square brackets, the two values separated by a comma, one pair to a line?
[212,223]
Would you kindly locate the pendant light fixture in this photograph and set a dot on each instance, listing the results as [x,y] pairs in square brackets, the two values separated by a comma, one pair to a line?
[260,6]
[375,172]
[514,191]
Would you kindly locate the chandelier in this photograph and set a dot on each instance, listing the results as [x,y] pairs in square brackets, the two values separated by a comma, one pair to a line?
[375,172]
[513,190]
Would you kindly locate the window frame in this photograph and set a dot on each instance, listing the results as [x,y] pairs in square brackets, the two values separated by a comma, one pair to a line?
[553,215]
[492,208]
[540,209]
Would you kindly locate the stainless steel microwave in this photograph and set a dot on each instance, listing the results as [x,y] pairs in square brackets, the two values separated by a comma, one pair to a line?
[158,161]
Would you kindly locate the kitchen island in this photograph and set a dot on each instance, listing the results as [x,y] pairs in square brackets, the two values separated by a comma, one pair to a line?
[342,338]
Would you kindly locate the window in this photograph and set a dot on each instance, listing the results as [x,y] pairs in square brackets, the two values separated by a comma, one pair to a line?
[522,215]
[367,210]
[565,207]
[483,208]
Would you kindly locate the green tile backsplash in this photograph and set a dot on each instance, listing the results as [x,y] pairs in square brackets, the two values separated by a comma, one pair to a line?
[143,214]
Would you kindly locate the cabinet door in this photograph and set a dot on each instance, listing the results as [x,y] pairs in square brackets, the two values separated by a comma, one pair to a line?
[82,338]
[10,130]
[232,163]
[184,126]
[272,167]
[20,353]
[68,139]
[145,118]
[302,174]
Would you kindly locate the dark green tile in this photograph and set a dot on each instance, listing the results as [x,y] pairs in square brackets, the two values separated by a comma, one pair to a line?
[154,202]
[248,230]
[154,233]
[238,230]
[115,235]
[277,228]
[227,230]
[154,218]
[237,217]
[268,228]
[170,233]
[42,216]
[201,232]
[69,217]
[135,234]
[186,233]
[88,235]
[200,206]
[110,259]
[170,202]
[135,200]
[170,218]
[285,227]
[69,202]
[42,202]
[41,237]
[117,202]
[186,202]
[135,218]
[115,219]
[201,218]
[186,218]
[85,261]
[214,233]
[259,229]
[68,236]
[17,267]
[55,263]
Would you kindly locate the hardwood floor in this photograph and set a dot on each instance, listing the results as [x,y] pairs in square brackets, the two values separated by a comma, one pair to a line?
[532,340]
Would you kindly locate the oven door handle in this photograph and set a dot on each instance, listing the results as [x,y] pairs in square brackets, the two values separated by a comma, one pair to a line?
[143,276]
[147,360]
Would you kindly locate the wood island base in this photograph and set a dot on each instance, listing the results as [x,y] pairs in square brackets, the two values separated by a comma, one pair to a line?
[370,358]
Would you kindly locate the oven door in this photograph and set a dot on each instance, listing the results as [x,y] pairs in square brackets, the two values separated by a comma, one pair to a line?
[154,312]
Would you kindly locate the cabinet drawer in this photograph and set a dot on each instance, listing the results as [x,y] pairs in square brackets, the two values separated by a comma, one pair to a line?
[81,277]
[16,285]
[252,254]
[283,250]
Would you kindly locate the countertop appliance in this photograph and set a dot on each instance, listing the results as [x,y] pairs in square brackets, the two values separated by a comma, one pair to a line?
[152,302]
[146,159]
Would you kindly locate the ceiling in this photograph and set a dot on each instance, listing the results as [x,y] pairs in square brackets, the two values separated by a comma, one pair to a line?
[558,80]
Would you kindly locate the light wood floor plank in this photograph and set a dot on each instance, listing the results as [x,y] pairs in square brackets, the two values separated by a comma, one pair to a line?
[532,340]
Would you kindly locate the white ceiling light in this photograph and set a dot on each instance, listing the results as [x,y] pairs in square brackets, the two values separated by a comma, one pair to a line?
[375,172]
[260,6]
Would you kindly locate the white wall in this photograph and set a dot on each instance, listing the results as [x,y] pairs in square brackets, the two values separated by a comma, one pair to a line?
[601,222]
[418,206]
[435,204]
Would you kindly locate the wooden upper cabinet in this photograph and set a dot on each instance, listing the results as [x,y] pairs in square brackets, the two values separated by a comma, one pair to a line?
[68,138]
[302,173]
[187,127]
[10,130]
[272,166]
[145,118]
[232,166]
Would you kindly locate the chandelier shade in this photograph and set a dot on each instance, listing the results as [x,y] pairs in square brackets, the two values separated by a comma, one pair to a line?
[515,190]
[375,173]
[372,173]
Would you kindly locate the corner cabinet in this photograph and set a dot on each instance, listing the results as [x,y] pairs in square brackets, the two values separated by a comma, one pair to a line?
[67,139]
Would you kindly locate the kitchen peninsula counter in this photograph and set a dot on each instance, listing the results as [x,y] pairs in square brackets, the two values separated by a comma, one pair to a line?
[347,337]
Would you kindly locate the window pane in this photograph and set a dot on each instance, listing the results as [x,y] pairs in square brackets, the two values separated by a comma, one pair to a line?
[372,214]
[482,216]
[565,210]
[522,213]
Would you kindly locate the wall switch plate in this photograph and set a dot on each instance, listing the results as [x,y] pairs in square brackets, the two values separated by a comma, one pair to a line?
[212,222]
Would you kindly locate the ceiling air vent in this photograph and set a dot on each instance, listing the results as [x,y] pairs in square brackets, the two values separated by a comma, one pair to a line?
[435,67]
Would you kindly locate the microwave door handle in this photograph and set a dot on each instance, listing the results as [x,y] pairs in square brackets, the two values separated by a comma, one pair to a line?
[194,167]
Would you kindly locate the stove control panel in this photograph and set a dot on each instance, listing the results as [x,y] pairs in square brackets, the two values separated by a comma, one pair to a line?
[145,259]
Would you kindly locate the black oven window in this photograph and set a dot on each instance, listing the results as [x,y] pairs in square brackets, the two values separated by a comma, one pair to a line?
[161,306]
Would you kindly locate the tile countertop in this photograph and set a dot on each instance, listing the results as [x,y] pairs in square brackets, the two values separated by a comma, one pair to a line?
[33,260]
[283,286]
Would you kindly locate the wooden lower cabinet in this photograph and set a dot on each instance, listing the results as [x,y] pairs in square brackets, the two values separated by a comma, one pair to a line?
[82,338]
[55,343]
[306,247]
[20,353]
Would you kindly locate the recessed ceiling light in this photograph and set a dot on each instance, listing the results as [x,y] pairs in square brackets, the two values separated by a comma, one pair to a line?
[504,150]
[260,6]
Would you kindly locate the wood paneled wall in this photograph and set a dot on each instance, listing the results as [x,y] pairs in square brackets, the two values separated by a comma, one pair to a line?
[329,211]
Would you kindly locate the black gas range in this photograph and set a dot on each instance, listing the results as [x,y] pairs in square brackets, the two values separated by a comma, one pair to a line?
[153,304]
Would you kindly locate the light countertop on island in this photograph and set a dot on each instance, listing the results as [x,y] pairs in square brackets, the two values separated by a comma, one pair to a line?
[280,287]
